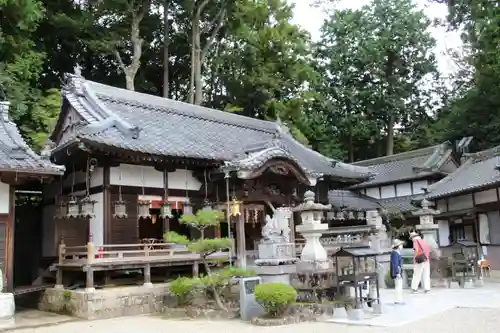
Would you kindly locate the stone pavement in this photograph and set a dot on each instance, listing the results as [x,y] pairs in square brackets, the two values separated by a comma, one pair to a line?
[419,306]
[436,312]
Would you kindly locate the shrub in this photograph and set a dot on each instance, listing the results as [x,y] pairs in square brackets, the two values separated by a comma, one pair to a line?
[183,288]
[275,297]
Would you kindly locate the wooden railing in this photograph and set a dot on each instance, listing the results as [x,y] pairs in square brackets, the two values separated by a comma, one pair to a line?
[92,254]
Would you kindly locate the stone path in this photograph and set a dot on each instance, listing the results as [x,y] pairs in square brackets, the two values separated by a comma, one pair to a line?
[436,312]
[452,321]
[420,306]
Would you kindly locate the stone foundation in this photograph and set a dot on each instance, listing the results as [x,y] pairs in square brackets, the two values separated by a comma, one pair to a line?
[108,303]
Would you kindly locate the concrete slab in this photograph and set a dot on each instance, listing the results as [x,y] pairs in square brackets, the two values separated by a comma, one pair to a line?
[419,306]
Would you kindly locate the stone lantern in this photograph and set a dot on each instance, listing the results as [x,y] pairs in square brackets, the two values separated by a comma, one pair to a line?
[314,255]
[427,226]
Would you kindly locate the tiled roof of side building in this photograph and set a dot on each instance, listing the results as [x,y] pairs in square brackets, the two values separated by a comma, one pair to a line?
[150,124]
[16,155]
[406,166]
[481,170]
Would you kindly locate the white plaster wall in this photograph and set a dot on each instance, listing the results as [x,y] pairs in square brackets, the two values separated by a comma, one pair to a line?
[4,198]
[460,202]
[443,232]
[403,189]
[418,186]
[388,191]
[441,205]
[485,196]
[96,178]
[48,231]
[138,176]
[96,224]
[373,192]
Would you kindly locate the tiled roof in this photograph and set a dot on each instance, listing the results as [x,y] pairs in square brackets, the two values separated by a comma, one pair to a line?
[399,204]
[405,166]
[350,200]
[16,155]
[480,170]
[154,125]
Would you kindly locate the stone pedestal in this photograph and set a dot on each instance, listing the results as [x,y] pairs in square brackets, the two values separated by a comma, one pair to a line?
[276,260]
[7,308]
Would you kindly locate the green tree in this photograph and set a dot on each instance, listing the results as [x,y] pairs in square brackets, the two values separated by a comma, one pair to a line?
[374,62]
[262,68]
[474,109]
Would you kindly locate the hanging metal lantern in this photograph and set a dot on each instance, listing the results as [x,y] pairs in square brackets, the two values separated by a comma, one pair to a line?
[143,209]
[350,215]
[361,216]
[235,207]
[166,210]
[340,216]
[87,207]
[61,211]
[187,208]
[120,210]
[73,208]
[207,205]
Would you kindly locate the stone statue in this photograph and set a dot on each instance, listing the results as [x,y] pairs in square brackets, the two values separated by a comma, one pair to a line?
[277,226]
[272,229]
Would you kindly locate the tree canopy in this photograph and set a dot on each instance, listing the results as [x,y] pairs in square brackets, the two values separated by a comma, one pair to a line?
[368,87]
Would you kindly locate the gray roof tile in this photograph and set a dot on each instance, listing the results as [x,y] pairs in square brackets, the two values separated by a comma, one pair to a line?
[405,166]
[480,170]
[16,155]
[399,204]
[159,126]
[349,200]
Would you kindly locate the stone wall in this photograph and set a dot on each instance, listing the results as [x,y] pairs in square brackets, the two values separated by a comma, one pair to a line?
[115,302]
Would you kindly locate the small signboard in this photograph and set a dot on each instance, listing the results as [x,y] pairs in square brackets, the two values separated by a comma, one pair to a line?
[249,308]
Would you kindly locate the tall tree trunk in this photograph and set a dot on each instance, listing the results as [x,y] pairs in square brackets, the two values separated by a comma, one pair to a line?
[193,60]
[199,54]
[166,43]
[131,69]
[198,83]
[389,148]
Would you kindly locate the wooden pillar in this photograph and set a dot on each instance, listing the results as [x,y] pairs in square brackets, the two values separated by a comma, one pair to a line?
[240,234]
[59,273]
[107,204]
[291,225]
[89,284]
[196,268]
[147,276]
[8,272]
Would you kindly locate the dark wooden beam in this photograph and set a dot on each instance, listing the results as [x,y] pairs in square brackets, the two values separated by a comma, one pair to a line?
[107,205]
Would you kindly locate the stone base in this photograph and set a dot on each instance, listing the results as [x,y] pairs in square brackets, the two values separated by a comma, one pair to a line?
[7,309]
[469,284]
[262,321]
[108,303]
[454,285]
[313,266]
[378,308]
[275,273]
[340,313]
[355,314]
[274,250]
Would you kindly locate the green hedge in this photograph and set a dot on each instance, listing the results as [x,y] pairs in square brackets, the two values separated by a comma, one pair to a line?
[275,297]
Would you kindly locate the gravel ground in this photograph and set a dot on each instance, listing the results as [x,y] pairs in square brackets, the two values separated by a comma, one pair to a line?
[458,320]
